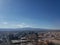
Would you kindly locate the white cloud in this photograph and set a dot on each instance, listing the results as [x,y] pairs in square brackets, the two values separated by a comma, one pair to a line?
[19,26]
[22,25]
[10,25]
[5,22]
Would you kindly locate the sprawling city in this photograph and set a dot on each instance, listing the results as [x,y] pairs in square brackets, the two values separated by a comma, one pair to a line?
[47,37]
[29,22]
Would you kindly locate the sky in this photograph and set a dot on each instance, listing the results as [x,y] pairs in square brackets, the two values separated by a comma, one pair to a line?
[30,13]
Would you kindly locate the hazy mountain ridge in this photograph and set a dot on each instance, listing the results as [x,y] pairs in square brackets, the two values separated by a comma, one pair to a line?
[27,29]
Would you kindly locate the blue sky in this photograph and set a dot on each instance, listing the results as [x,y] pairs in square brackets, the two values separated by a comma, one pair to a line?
[30,13]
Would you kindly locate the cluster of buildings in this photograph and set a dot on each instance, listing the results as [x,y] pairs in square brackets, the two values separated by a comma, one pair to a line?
[37,38]
[29,38]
